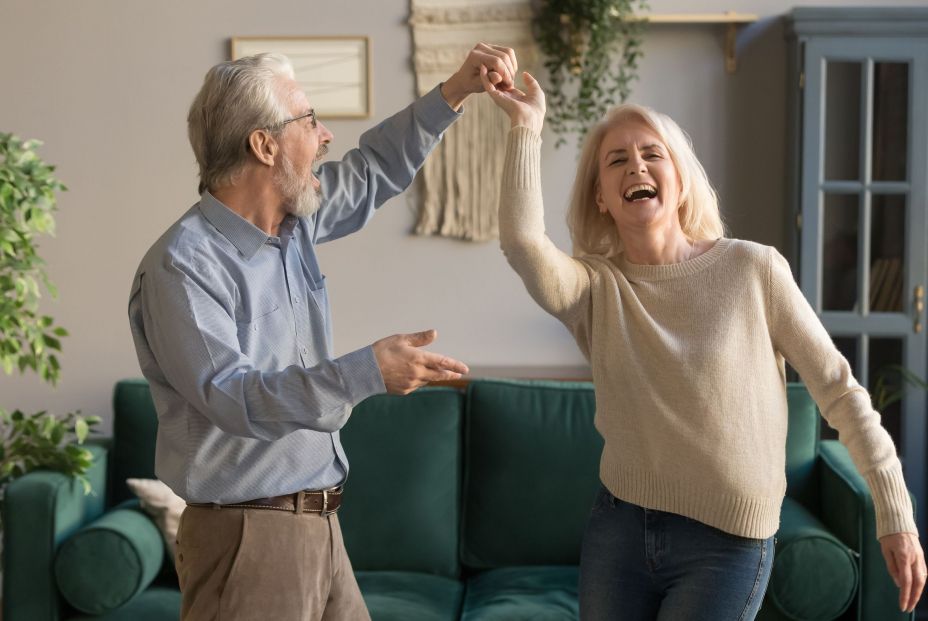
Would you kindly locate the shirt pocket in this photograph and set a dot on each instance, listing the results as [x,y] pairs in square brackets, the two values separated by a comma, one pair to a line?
[254,330]
[318,295]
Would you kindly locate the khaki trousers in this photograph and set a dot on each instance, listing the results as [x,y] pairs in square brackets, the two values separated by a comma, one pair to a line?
[257,564]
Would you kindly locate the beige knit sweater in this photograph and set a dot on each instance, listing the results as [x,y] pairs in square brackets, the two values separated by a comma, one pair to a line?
[687,360]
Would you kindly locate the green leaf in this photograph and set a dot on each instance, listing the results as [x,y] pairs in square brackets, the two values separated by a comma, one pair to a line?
[80,430]
[48,424]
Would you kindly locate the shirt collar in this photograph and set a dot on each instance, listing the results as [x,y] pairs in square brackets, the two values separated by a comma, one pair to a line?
[245,236]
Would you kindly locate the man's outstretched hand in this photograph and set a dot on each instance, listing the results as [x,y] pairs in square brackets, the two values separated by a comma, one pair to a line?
[405,367]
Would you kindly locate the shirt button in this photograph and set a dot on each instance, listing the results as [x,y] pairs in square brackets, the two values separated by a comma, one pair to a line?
[296,300]
[302,350]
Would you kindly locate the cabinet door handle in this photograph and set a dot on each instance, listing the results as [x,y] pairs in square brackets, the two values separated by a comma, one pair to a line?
[919,307]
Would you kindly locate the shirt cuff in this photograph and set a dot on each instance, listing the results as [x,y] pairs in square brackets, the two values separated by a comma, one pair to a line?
[361,374]
[434,113]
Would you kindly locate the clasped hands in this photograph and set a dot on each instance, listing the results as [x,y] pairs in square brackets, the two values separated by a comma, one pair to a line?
[493,69]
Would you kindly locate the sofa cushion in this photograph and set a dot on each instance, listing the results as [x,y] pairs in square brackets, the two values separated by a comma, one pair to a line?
[109,561]
[814,575]
[523,594]
[532,471]
[409,596]
[154,604]
[402,498]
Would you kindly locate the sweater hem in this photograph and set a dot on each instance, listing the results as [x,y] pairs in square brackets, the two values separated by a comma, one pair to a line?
[755,517]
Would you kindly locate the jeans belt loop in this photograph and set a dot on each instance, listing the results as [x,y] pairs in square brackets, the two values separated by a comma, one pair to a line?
[299,502]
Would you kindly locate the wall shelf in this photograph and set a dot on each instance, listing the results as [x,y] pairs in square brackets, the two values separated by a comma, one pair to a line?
[731,20]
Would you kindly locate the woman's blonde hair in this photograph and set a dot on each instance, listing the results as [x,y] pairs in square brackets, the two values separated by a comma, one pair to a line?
[593,232]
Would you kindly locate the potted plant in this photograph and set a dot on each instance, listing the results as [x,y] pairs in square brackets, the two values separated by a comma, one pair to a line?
[28,339]
[591,50]
[890,385]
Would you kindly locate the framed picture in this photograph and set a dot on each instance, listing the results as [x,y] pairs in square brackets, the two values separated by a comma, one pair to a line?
[334,71]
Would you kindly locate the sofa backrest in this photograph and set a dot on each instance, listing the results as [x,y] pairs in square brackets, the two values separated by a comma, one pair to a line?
[135,429]
[402,507]
[802,440]
[531,458]
[531,462]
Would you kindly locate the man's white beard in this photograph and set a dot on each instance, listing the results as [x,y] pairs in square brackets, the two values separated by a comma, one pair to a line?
[301,198]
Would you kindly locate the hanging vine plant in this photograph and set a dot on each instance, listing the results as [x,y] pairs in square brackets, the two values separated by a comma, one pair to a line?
[591,50]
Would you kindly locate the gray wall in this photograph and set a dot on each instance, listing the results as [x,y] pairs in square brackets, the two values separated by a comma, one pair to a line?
[106,85]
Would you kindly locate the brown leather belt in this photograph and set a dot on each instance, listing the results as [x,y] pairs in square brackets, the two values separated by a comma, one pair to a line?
[324,502]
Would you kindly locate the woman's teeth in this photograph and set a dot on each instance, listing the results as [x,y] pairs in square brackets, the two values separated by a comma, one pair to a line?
[642,191]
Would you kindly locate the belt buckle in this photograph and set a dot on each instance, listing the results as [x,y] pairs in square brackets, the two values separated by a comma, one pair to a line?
[325,504]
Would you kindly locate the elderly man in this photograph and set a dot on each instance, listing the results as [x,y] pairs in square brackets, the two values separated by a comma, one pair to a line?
[232,328]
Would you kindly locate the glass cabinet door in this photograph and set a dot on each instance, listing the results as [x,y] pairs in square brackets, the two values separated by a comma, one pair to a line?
[863,204]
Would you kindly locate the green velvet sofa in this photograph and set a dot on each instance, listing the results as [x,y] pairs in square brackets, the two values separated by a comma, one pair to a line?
[461,504]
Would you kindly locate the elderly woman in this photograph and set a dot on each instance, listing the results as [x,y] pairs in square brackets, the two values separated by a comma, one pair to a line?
[686,332]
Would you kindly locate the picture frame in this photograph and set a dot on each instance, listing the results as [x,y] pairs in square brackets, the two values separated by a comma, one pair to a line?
[334,71]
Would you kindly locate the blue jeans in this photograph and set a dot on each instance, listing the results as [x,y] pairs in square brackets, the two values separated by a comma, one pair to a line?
[641,564]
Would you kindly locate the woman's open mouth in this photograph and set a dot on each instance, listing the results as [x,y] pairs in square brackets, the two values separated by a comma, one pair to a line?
[640,192]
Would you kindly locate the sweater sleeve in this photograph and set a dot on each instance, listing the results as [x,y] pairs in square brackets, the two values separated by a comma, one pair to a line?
[558,283]
[800,336]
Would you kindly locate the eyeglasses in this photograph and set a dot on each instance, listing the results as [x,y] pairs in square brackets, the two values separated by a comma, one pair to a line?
[312,119]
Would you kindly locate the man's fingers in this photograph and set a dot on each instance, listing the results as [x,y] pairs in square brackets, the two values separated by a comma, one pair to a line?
[420,339]
[506,55]
[510,55]
[496,61]
[437,362]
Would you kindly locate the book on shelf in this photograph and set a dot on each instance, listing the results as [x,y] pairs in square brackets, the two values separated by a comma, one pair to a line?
[886,280]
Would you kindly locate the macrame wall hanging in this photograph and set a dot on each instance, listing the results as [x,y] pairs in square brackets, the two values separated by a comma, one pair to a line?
[460,180]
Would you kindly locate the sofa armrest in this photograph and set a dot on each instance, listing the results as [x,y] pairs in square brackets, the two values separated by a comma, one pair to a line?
[847,510]
[40,511]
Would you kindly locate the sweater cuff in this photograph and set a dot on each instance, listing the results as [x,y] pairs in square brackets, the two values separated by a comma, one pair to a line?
[891,501]
[522,169]
[361,375]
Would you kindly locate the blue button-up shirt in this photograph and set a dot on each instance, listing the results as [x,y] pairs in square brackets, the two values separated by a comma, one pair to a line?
[233,329]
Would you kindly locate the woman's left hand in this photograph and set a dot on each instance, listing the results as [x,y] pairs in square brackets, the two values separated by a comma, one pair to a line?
[906,564]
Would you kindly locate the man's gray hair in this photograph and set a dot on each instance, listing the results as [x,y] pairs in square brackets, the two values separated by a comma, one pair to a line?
[237,98]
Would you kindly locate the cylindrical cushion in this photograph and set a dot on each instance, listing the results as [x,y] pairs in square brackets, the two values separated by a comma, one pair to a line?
[109,561]
[815,576]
